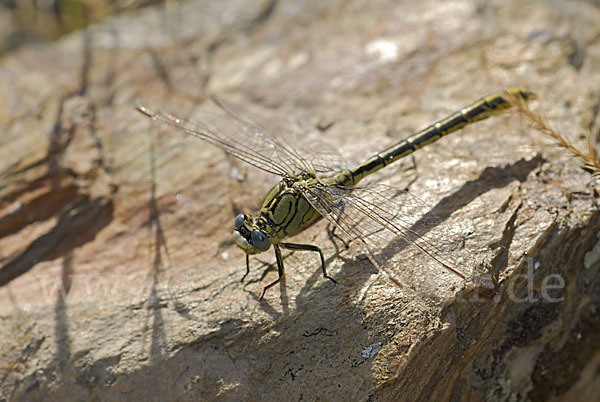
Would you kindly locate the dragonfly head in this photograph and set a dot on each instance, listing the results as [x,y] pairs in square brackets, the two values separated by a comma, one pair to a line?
[248,236]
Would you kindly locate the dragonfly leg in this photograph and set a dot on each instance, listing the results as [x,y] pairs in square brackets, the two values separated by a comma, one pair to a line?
[247,267]
[334,235]
[279,259]
[309,247]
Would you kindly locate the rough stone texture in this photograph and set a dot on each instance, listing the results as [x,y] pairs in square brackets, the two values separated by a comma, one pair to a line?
[120,277]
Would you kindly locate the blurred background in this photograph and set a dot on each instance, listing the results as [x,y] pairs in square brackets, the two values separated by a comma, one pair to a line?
[25,22]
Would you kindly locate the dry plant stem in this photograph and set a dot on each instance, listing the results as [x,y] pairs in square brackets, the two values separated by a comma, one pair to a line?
[590,159]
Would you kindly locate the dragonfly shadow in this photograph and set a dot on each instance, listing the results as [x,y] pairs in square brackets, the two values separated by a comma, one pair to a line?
[489,179]
[266,268]
[316,282]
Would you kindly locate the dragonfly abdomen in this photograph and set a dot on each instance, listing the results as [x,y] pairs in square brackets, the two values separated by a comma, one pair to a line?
[477,111]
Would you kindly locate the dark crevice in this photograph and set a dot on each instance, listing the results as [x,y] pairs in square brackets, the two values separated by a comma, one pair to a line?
[76,226]
[500,261]
[39,208]
[160,69]
[60,138]
[61,328]
[15,169]
[262,17]
[87,63]
[590,127]
[576,56]
[56,187]
[112,70]
[21,187]
[100,162]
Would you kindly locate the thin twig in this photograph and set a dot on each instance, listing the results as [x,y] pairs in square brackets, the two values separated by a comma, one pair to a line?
[589,158]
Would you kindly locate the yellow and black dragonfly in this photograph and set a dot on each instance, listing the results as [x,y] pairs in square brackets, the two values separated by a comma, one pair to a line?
[312,187]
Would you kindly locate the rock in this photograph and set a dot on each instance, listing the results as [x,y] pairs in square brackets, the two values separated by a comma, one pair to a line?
[120,276]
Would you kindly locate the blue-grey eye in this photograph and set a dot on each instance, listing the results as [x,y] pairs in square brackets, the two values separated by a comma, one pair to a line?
[239,221]
[260,241]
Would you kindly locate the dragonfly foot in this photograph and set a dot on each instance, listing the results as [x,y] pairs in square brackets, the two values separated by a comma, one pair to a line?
[333,236]
[247,268]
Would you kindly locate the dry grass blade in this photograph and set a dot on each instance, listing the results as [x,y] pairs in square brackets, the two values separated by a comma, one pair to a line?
[589,158]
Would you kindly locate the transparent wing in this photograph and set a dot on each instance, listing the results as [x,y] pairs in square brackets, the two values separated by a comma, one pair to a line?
[238,137]
[309,145]
[324,158]
[392,226]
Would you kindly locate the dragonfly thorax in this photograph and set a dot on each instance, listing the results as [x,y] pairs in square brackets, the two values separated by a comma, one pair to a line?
[285,212]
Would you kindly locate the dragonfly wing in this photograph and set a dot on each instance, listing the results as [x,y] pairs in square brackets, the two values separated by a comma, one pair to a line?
[393,227]
[322,157]
[232,134]
[325,158]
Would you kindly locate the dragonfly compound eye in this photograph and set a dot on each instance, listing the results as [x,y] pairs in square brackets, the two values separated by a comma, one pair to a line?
[239,221]
[260,241]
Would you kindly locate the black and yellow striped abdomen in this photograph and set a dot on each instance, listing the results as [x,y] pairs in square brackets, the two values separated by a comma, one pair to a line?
[285,212]
[482,109]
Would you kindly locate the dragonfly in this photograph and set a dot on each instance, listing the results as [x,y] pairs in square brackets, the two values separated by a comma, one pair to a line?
[313,187]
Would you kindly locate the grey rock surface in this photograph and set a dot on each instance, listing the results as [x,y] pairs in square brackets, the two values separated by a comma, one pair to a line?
[120,278]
